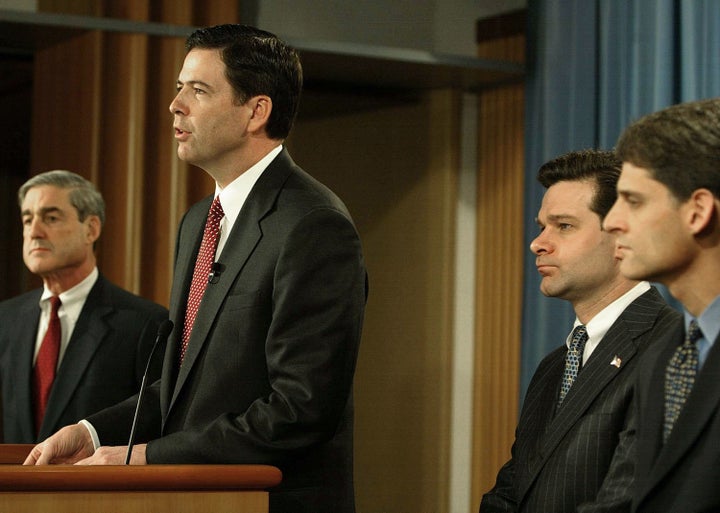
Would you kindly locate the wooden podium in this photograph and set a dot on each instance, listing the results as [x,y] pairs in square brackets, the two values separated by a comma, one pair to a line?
[132,489]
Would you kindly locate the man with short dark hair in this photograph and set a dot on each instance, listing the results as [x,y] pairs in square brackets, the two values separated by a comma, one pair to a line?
[573,443]
[667,222]
[267,300]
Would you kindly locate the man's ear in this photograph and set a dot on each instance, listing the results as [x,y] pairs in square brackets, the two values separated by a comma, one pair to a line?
[94,227]
[261,108]
[701,207]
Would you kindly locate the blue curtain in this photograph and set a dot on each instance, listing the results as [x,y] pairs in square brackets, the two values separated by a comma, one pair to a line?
[593,67]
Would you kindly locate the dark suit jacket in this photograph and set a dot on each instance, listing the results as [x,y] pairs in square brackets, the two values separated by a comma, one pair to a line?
[582,451]
[684,474]
[104,362]
[267,376]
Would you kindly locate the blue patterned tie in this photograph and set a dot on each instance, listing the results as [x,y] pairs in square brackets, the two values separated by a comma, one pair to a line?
[573,360]
[680,377]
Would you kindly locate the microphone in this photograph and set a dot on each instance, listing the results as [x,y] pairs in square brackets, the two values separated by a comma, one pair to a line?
[163,333]
[215,272]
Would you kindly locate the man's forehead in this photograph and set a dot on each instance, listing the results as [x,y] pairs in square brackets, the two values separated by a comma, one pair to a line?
[41,196]
[630,170]
[202,65]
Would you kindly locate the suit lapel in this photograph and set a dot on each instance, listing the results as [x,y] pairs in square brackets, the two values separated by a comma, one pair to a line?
[537,414]
[650,429]
[243,239]
[620,341]
[22,351]
[186,250]
[90,331]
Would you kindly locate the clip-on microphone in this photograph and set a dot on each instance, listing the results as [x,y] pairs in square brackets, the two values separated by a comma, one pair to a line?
[215,271]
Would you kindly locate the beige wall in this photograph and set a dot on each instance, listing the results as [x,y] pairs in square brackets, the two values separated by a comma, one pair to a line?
[395,165]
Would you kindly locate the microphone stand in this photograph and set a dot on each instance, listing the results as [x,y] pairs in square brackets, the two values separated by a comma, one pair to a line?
[163,333]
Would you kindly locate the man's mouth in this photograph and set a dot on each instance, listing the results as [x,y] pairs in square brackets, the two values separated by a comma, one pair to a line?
[181,134]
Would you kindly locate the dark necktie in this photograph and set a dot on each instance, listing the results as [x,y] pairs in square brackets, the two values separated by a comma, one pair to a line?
[680,376]
[46,363]
[203,266]
[573,360]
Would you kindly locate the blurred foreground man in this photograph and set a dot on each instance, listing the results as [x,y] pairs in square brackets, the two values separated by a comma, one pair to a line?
[667,222]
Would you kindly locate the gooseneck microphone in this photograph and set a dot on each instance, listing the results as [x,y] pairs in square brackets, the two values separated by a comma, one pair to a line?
[163,333]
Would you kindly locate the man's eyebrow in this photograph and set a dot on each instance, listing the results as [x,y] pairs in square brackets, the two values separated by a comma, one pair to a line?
[180,83]
[628,192]
[561,217]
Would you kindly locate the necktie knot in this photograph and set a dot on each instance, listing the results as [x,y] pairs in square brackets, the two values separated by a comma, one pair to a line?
[216,211]
[55,305]
[579,337]
[694,333]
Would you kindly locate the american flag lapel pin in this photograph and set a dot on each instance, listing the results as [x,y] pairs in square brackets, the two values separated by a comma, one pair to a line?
[616,361]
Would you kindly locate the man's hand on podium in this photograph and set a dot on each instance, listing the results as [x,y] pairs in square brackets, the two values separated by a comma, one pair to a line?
[115,456]
[69,445]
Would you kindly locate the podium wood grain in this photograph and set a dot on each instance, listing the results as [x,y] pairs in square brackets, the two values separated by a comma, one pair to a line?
[132,489]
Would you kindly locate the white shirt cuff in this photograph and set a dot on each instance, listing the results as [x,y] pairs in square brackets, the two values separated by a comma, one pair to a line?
[93,433]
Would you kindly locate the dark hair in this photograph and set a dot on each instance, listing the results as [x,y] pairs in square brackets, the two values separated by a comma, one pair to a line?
[257,62]
[679,146]
[83,195]
[600,167]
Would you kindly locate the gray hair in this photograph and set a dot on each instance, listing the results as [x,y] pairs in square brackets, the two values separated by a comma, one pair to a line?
[84,196]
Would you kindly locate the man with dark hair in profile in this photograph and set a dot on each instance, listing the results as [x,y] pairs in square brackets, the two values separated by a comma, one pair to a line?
[105,334]
[268,295]
[667,223]
[573,443]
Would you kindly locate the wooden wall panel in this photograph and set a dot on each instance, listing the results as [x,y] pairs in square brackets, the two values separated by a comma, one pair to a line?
[500,254]
[167,183]
[122,150]
[395,166]
[66,107]
[101,110]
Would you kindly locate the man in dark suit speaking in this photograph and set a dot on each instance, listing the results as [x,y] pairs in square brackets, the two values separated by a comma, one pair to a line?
[667,222]
[573,444]
[79,343]
[267,300]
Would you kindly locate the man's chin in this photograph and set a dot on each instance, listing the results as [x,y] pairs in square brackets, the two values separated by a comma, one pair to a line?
[632,272]
[38,266]
[548,290]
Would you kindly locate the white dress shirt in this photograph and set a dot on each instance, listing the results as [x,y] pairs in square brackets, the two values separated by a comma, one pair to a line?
[72,302]
[600,324]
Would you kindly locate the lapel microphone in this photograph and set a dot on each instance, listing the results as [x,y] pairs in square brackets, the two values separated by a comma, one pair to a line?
[163,333]
[215,272]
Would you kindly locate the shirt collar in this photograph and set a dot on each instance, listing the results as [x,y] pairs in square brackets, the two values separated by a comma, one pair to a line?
[709,321]
[72,299]
[599,325]
[233,195]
